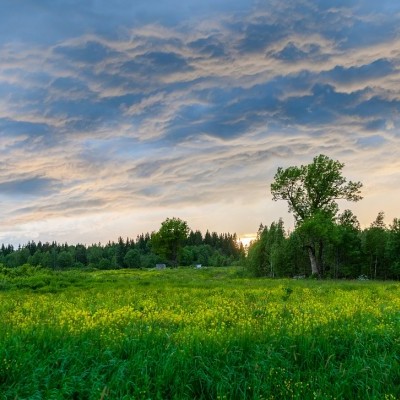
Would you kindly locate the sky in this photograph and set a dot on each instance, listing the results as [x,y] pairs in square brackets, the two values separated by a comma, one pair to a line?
[115,115]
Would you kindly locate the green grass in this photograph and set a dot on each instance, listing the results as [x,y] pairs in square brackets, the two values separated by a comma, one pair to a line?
[196,334]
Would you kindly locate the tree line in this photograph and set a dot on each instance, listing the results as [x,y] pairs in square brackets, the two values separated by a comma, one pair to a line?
[348,251]
[324,243]
[147,250]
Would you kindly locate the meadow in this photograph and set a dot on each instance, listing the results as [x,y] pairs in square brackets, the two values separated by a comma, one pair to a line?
[209,333]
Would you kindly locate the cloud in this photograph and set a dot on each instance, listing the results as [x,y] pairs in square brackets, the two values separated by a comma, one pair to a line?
[380,68]
[88,53]
[292,53]
[22,128]
[209,46]
[166,106]
[155,64]
[30,186]
[371,141]
[260,35]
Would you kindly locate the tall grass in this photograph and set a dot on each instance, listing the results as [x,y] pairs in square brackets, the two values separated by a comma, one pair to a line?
[197,334]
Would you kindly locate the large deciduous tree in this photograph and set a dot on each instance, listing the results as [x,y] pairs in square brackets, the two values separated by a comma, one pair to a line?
[312,192]
[168,241]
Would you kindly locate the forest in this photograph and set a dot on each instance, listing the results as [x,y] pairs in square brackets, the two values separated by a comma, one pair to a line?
[348,251]
[331,243]
[211,249]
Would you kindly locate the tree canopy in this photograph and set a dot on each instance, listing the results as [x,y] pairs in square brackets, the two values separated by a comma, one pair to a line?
[313,188]
[312,192]
[168,241]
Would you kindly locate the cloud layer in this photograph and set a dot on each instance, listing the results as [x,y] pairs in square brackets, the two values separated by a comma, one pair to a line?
[152,109]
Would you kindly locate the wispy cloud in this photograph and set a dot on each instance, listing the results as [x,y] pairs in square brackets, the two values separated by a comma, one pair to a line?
[162,107]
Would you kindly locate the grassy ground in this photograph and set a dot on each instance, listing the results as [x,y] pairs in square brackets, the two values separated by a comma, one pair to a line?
[195,334]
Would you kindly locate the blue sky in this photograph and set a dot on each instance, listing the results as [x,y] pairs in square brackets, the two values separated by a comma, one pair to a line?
[115,115]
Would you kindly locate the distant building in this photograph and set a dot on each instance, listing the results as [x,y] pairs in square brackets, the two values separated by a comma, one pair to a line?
[198,265]
[161,266]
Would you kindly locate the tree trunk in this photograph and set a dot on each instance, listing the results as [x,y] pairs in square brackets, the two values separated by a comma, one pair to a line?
[313,261]
[320,264]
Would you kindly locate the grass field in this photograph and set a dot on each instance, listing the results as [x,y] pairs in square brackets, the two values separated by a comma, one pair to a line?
[196,334]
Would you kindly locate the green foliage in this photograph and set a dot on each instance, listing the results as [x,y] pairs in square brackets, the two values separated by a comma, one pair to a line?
[104,263]
[312,192]
[393,249]
[346,255]
[313,188]
[168,241]
[21,271]
[132,259]
[267,254]
[140,253]
[64,259]
[342,249]
[317,233]
[374,244]
[94,254]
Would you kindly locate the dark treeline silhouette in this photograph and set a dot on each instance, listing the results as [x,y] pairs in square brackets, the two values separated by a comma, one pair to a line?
[348,251]
[212,249]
